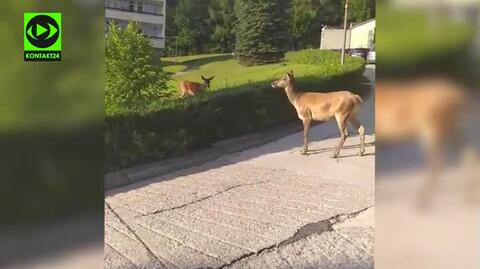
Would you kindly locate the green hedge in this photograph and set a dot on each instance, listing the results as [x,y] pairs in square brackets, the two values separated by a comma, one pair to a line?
[314,56]
[184,125]
[410,45]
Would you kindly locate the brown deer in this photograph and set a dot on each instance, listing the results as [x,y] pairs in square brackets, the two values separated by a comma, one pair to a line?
[192,88]
[427,109]
[310,106]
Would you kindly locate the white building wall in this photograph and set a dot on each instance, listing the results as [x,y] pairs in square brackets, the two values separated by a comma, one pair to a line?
[362,35]
[150,14]
[332,39]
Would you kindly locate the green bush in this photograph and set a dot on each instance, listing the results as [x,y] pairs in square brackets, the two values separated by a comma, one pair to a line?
[320,57]
[131,78]
[175,127]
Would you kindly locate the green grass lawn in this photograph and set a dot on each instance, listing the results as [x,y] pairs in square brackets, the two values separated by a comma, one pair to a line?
[229,73]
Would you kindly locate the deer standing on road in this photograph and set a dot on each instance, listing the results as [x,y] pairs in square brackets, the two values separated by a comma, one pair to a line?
[192,88]
[310,106]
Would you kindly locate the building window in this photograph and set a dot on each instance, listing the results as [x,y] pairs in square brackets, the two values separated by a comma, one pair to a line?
[131,5]
[140,7]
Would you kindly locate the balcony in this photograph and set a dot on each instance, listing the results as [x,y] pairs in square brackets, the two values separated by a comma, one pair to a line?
[134,11]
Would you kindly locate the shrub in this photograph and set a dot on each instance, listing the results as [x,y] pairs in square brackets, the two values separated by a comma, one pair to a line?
[132,81]
[320,57]
[188,124]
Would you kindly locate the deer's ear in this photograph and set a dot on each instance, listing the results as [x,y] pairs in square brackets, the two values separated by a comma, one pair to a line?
[211,78]
[203,77]
[291,73]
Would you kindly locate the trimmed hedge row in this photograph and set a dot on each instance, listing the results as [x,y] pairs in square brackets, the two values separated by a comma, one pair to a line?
[189,124]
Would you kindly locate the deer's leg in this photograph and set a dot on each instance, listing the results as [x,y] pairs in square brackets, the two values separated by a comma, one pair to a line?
[306,128]
[433,152]
[342,126]
[361,132]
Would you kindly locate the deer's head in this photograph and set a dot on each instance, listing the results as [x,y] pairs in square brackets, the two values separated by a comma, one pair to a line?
[287,80]
[206,81]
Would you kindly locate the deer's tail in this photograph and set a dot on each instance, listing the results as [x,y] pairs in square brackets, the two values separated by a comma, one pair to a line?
[358,98]
[358,103]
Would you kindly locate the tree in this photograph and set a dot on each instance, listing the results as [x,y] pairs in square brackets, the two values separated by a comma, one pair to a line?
[307,17]
[361,10]
[171,29]
[302,15]
[262,31]
[191,20]
[222,20]
[132,81]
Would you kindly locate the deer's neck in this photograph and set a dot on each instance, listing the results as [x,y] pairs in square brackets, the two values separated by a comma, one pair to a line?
[291,94]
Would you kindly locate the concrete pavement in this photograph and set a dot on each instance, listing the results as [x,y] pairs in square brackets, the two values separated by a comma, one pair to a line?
[267,207]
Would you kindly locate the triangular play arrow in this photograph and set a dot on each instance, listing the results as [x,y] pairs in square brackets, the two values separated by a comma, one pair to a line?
[41,29]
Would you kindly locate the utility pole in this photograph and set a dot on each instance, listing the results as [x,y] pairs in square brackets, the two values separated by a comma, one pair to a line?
[344,32]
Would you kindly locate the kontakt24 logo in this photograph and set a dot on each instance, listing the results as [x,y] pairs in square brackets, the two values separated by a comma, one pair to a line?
[42,36]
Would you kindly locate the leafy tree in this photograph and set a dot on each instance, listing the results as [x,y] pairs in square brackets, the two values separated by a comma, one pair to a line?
[262,31]
[361,10]
[222,20]
[302,16]
[132,81]
[307,17]
[171,29]
[191,20]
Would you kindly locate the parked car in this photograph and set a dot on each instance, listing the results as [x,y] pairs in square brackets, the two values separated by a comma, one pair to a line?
[359,52]
[371,56]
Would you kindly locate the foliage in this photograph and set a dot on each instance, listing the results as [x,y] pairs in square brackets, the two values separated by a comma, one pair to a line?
[361,10]
[261,32]
[205,26]
[324,58]
[171,28]
[222,19]
[132,81]
[247,104]
[412,45]
[302,16]
[51,116]
[193,31]
[307,17]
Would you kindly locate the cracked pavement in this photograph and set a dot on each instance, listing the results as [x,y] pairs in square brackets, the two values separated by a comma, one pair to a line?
[267,207]
[246,214]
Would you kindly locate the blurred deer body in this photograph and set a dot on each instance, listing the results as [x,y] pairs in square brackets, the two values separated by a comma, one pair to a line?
[192,88]
[310,106]
[427,110]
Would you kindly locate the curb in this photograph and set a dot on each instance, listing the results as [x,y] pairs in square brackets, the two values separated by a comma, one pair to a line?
[147,171]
